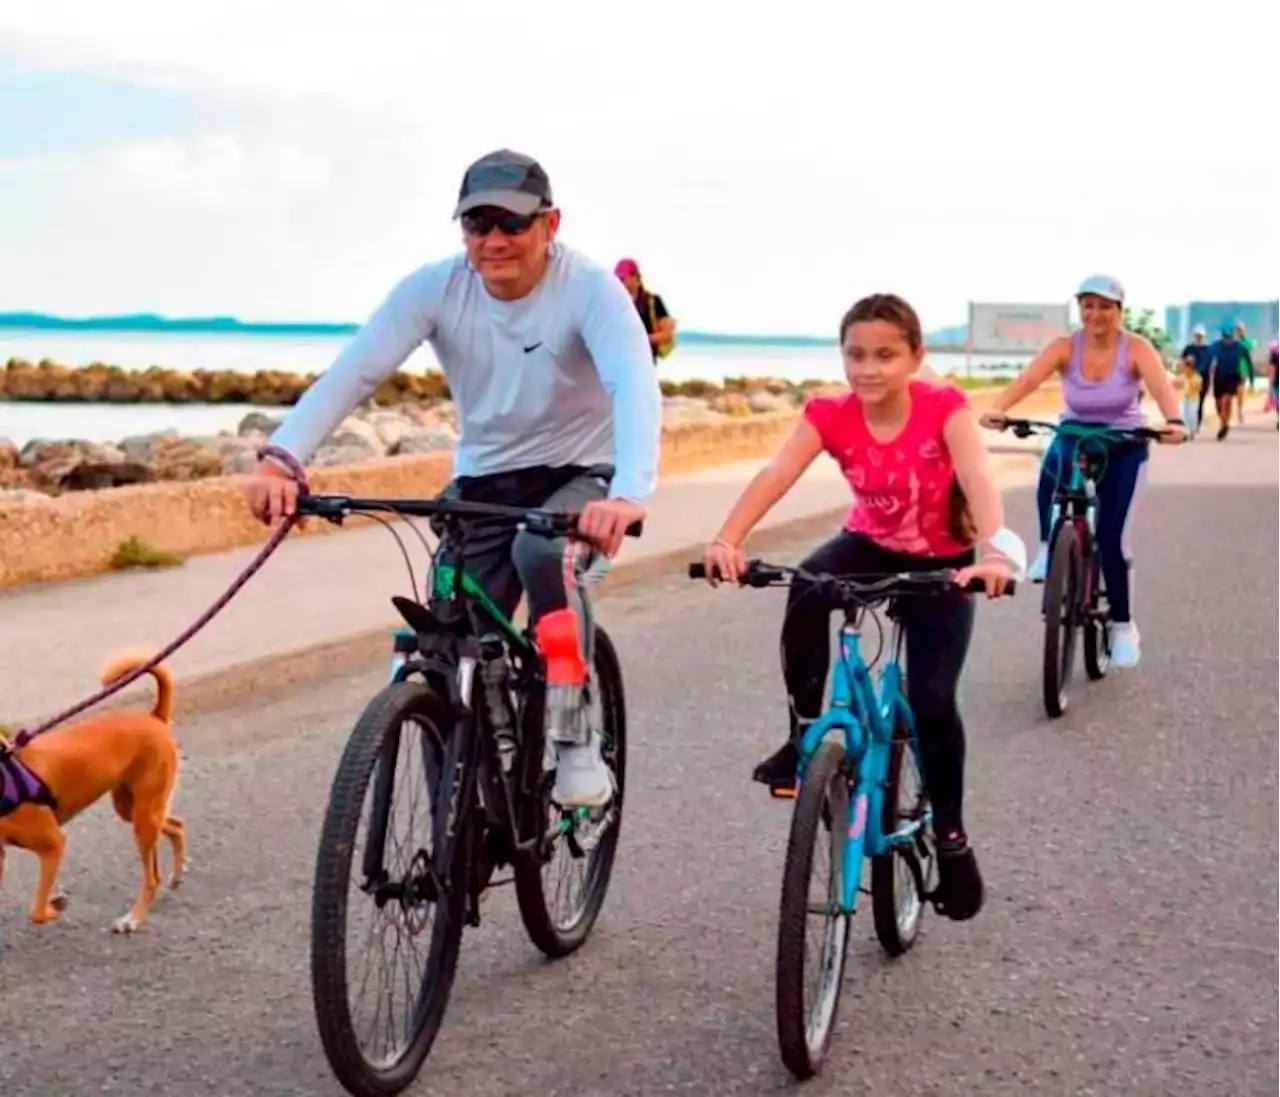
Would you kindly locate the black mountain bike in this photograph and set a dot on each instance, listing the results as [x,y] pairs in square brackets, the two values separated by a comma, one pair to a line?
[461,720]
[1074,595]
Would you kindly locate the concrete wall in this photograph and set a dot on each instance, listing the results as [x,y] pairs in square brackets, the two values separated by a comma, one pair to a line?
[75,535]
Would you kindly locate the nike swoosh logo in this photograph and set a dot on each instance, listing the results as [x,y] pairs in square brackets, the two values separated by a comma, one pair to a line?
[530,350]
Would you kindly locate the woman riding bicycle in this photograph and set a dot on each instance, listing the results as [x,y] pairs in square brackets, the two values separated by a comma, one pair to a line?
[1103,369]
[914,455]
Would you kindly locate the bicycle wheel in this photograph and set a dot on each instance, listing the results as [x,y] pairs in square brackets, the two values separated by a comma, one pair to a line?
[804,1030]
[1061,593]
[1097,640]
[901,877]
[401,900]
[560,932]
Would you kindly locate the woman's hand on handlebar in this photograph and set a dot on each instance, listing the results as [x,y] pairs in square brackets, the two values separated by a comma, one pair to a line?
[272,494]
[1172,434]
[724,562]
[994,571]
[994,420]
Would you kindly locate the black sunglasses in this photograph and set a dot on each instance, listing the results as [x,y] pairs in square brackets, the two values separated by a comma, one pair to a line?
[481,222]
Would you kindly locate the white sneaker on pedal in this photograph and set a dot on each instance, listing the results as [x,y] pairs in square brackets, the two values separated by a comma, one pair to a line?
[1040,565]
[583,778]
[1126,647]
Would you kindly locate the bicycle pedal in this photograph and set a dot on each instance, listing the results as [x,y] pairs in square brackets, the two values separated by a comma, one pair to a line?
[783,792]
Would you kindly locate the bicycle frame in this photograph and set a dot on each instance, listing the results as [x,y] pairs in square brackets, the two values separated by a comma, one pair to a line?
[451,659]
[866,715]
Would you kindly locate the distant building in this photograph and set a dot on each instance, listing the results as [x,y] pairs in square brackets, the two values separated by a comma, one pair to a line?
[1261,320]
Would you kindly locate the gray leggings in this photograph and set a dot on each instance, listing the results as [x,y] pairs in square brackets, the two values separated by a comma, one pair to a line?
[510,564]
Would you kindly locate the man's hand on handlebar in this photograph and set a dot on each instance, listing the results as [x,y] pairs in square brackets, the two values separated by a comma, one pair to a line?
[605,522]
[272,494]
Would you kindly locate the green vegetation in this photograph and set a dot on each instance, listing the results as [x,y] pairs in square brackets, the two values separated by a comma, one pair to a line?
[1144,324]
[137,553]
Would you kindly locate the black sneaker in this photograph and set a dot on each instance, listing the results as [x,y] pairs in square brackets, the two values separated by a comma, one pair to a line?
[960,891]
[1222,431]
[778,771]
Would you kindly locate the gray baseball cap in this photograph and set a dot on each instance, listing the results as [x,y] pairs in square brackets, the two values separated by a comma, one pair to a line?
[506,179]
[1102,285]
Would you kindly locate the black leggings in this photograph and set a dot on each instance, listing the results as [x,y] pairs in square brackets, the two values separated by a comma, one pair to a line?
[937,630]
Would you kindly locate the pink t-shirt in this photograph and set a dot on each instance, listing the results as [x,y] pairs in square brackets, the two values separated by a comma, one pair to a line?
[901,488]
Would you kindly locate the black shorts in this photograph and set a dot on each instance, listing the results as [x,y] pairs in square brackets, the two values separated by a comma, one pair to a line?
[1225,385]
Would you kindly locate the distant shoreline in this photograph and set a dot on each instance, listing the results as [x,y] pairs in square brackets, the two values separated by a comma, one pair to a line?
[149,323]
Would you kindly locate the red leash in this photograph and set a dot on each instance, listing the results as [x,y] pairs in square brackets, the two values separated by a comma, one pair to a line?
[273,542]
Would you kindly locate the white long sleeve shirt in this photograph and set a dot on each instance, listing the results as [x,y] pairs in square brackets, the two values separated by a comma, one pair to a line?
[561,376]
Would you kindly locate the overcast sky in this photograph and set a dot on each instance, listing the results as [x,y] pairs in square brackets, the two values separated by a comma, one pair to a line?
[291,161]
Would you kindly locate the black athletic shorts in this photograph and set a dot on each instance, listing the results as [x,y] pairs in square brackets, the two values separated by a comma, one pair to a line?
[1225,384]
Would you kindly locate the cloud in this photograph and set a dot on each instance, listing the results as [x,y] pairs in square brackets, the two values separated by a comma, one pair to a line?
[766,169]
[220,174]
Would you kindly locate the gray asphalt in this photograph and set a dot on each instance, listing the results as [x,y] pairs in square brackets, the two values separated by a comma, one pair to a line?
[1128,946]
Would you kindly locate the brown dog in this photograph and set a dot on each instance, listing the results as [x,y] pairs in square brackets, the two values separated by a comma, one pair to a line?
[132,755]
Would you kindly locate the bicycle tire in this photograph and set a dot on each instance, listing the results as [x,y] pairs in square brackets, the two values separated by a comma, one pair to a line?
[801,1056]
[1061,590]
[1097,642]
[357,1075]
[555,941]
[895,938]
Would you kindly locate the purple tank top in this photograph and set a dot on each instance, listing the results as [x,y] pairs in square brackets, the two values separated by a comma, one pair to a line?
[1114,400]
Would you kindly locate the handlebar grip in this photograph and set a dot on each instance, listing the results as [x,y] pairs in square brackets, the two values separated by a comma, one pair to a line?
[635,529]
[698,570]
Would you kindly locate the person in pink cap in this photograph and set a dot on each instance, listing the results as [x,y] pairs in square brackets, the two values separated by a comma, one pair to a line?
[658,322]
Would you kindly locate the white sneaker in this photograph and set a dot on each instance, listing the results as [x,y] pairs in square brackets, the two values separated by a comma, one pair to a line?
[1126,647]
[1040,565]
[583,779]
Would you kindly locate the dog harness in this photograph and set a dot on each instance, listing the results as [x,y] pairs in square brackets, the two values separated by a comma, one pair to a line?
[18,785]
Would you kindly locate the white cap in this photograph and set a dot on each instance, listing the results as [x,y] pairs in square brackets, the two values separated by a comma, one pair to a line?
[1102,285]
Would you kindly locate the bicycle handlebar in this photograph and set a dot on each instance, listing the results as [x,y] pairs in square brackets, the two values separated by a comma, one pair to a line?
[854,587]
[544,523]
[1024,428]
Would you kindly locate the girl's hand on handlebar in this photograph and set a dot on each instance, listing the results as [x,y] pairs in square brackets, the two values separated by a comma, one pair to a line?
[994,420]
[994,571]
[1172,434]
[723,561]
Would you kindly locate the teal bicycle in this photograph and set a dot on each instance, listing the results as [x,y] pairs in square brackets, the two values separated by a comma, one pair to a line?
[858,785]
[1075,597]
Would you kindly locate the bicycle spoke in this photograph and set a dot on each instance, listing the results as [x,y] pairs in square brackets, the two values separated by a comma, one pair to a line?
[393,960]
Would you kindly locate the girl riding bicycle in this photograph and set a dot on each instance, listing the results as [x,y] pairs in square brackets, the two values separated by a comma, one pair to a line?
[924,498]
[1103,369]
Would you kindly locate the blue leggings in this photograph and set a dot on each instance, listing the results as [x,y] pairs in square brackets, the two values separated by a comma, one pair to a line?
[1115,495]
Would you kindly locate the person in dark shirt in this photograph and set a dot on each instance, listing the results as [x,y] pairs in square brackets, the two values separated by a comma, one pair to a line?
[658,322]
[1228,363]
[1197,354]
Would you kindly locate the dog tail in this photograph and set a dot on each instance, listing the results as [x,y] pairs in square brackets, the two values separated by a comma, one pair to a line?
[121,665]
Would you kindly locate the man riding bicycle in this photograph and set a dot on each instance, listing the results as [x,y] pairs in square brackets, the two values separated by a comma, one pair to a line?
[557,401]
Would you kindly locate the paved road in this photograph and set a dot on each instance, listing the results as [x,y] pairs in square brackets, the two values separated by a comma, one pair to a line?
[1128,946]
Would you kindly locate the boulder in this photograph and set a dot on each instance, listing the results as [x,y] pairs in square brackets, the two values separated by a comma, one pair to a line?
[258,422]
[732,403]
[77,466]
[354,451]
[425,440]
[186,459]
[142,447]
[762,401]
